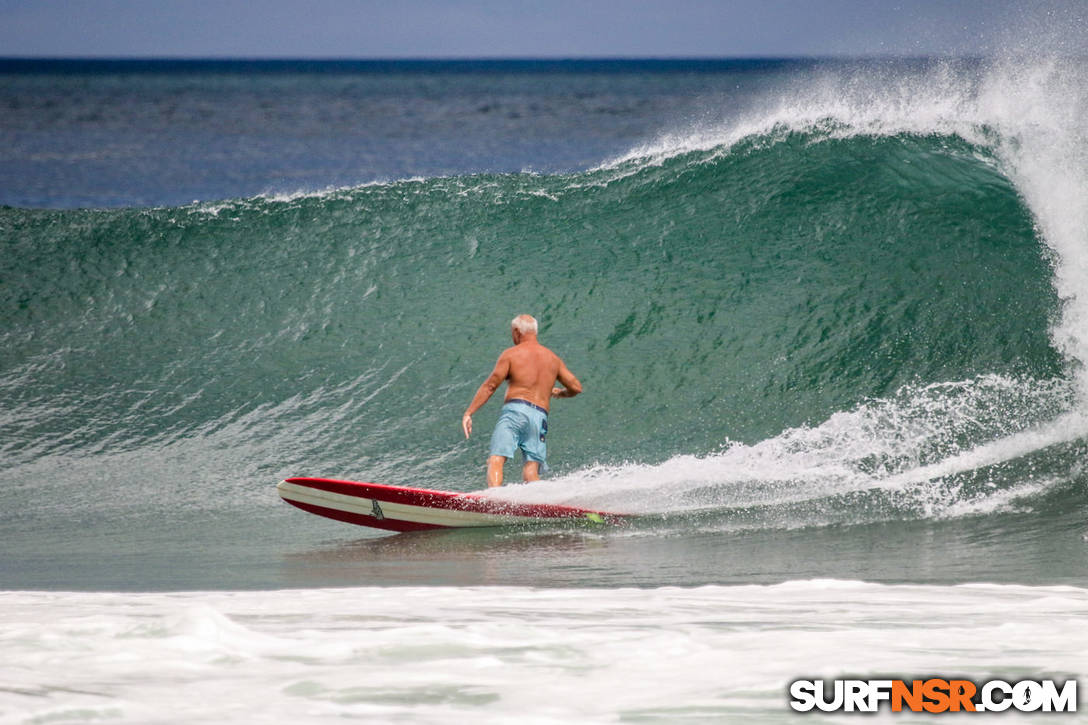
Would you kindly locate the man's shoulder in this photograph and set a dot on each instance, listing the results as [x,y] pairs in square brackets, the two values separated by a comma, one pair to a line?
[542,350]
[533,352]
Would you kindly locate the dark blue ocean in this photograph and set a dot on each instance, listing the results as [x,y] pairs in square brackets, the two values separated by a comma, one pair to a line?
[154,133]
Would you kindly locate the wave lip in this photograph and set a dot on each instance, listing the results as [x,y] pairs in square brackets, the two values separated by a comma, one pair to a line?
[1023,112]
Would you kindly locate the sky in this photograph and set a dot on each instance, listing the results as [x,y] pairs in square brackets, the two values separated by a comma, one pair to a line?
[542,29]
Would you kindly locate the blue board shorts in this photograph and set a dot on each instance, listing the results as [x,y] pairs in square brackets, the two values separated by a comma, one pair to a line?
[521,425]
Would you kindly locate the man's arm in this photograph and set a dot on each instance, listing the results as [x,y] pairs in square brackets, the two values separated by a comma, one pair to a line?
[571,386]
[486,390]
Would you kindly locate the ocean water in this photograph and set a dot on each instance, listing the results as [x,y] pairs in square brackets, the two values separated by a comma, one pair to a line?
[831,319]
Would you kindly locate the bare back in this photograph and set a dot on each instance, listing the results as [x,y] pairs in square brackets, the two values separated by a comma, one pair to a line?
[533,370]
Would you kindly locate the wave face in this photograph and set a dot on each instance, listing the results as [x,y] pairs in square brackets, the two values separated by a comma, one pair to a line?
[860,301]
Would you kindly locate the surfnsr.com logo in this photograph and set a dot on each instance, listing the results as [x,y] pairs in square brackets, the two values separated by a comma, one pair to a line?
[933,695]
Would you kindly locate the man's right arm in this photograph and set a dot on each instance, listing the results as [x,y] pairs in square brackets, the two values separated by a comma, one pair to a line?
[571,385]
[485,391]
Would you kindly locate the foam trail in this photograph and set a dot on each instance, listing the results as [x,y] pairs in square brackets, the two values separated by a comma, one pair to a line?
[900,447]
[1067,428]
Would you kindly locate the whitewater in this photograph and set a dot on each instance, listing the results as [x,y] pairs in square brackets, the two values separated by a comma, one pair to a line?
[832,319]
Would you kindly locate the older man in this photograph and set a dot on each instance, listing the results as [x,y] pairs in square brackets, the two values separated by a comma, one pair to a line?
[531,371]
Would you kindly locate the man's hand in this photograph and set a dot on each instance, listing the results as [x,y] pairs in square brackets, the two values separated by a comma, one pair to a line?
[466,424]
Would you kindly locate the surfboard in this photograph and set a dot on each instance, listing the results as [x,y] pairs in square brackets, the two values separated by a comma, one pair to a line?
[398,508]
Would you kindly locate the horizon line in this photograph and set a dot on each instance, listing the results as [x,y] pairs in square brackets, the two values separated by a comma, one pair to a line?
[488,58]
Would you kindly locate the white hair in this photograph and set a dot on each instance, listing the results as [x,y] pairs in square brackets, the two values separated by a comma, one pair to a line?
[524,324]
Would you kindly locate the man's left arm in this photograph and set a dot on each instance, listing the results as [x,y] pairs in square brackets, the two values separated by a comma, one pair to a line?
[571,385]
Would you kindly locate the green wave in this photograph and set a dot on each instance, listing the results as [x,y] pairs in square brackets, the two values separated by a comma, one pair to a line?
[715,296]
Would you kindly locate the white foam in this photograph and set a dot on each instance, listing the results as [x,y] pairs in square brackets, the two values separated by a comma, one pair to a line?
[504,654]
[907,451]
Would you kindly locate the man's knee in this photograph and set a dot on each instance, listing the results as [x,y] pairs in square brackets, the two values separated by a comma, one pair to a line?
[530,471]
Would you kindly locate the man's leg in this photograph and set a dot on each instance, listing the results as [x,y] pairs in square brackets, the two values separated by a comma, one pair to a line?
[530,471]
[494,470]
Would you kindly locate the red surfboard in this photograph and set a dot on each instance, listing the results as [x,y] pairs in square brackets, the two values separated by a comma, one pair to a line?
[397,508]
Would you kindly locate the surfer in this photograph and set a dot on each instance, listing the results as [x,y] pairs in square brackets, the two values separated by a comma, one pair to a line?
[531,371]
